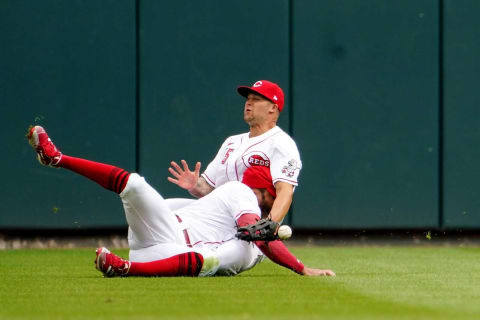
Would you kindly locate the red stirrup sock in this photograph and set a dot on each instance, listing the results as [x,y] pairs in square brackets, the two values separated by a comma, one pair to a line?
[185,264]
[109,177]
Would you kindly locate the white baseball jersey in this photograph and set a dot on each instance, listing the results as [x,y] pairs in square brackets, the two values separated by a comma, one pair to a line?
[210,222]
[212,219]
[274,149]
[157,232]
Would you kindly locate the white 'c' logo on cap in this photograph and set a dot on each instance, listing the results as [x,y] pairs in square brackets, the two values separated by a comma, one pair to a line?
[258,84]
[275,98]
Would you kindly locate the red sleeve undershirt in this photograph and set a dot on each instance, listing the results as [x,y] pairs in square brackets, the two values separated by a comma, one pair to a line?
[274,250]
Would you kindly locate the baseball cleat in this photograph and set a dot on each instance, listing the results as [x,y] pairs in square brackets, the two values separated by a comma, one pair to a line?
[47,153]
[110,264]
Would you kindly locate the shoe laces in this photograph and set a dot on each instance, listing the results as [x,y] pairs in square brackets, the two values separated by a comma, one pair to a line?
[49,148]
[48,153]
[118,264]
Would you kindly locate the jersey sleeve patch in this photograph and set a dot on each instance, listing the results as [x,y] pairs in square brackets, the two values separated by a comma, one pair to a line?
[289,169]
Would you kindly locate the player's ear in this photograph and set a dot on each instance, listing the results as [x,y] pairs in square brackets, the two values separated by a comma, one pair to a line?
[274,108]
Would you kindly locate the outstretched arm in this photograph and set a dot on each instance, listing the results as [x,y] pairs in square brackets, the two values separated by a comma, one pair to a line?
[189,180]
[278,252]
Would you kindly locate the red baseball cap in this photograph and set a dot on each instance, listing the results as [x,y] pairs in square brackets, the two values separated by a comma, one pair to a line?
[259,177]
[268,89]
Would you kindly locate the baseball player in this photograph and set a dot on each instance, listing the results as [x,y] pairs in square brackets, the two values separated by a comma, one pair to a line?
[265,145]
[180,237]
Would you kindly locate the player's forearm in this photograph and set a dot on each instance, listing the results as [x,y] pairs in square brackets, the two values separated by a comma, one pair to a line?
[282,202]
[202,188]
[278,253]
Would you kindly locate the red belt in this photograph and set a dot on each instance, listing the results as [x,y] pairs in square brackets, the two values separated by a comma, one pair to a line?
[185,233]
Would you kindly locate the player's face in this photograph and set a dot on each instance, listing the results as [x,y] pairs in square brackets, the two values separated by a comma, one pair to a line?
[257,109]
[265,201]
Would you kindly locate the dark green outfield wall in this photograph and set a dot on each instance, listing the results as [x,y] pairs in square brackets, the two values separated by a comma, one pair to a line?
[70,66]
[462,114]
[381,99]
[366,113]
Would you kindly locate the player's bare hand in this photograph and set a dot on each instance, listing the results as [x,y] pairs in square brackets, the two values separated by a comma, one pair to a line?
[183,177]
[317,272]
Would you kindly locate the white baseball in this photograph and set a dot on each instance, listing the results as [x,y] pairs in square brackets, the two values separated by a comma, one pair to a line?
[284,232]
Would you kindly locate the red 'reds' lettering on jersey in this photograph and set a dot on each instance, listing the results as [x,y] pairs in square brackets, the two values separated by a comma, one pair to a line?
[227,154]
[256,160]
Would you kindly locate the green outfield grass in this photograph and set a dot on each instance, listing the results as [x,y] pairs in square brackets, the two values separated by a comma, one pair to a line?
[371,283]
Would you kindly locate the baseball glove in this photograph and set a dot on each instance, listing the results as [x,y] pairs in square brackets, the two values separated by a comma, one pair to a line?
[263,230]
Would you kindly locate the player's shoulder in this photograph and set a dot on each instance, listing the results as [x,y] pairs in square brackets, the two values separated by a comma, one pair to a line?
[282,141]
[282,136]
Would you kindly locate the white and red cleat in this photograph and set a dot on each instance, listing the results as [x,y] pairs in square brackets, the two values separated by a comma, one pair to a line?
[47,153]
[110,264]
